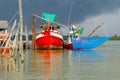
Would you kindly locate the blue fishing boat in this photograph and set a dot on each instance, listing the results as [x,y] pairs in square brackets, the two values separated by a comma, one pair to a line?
[88,43]
[77,42]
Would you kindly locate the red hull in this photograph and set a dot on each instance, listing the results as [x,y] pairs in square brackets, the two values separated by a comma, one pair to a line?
[70,46]
[49,40]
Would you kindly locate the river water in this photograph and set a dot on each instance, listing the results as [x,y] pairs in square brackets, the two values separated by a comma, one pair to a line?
[102,63]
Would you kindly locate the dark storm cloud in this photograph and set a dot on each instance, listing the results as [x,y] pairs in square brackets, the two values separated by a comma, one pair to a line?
[81,9]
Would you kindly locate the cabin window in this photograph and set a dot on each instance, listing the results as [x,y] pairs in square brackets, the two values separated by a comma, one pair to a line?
[52,28]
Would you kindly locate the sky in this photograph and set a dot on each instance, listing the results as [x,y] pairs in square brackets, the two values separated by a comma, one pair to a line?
[86,13]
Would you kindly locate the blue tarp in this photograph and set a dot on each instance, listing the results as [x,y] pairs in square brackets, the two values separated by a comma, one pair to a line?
[89,43]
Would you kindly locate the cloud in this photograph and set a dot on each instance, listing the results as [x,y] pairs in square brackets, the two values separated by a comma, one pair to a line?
[110,27]
[81,9]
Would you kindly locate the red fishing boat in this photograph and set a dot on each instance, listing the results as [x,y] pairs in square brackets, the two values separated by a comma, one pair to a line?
[50,37]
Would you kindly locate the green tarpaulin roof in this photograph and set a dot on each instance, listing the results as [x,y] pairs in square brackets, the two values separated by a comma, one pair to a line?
[51,16]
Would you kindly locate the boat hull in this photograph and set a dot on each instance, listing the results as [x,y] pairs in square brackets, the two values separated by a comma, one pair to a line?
[87,43]
[49,40]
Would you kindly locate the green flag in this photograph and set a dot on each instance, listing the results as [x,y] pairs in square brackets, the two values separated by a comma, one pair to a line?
[76,32]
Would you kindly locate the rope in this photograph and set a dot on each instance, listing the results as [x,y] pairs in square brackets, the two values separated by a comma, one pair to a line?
[13,17]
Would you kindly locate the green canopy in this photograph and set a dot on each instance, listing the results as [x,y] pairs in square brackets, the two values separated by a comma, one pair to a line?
[51,16]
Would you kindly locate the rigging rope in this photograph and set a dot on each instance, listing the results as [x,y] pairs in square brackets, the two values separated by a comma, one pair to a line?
[13,17]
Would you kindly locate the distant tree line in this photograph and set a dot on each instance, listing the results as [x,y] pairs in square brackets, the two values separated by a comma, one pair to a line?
[115,38]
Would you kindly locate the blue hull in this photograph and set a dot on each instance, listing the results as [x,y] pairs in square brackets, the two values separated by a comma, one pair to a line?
[88,43]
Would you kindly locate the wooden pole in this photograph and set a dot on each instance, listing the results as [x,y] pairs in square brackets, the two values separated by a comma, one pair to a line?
[27,40]
[33,32]
[15,42]
[79,32]
[95,29]
[21,28]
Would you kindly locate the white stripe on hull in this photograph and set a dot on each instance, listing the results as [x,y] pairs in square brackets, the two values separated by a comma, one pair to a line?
[52,34]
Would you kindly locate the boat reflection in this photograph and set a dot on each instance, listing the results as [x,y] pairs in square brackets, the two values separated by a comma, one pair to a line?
[47,63]
[51,64]
[89,56]
[62,64]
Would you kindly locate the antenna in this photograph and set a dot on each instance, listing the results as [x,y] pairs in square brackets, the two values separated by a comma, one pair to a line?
[70,14]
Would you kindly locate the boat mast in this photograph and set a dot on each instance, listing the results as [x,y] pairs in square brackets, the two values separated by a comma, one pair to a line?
[33,32]
[70,14]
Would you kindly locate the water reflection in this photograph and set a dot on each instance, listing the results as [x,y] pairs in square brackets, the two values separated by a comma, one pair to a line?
[85,64]
[89,56]
[53,65]
[11,67]
[62,64]
[47,63]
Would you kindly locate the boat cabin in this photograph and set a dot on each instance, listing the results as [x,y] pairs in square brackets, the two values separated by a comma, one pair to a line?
[51,18]
[44,27]
[3,30]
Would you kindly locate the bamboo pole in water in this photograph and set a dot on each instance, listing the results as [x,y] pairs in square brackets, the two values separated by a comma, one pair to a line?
[33,32]
[15,42]
[21,28]
[27,46]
